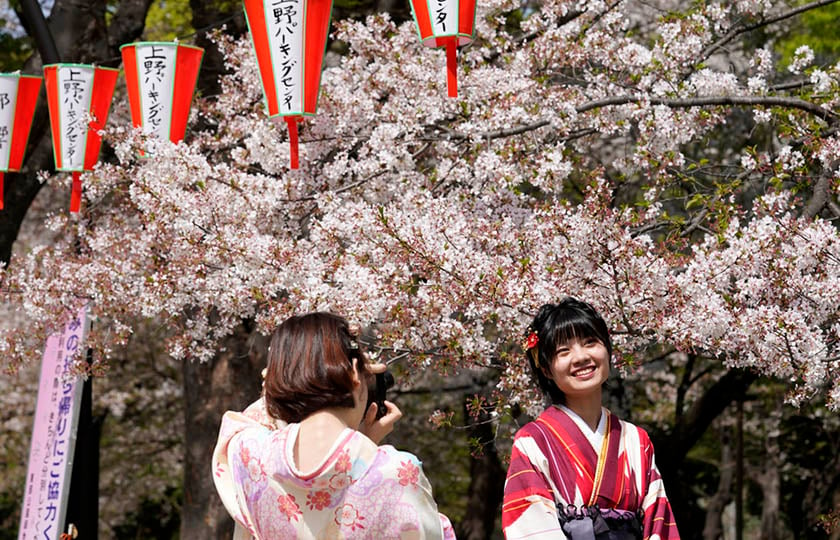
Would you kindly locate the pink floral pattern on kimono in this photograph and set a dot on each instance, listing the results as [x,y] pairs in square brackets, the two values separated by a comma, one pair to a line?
[289,507]
[347,516]
[360,490]
[408,473]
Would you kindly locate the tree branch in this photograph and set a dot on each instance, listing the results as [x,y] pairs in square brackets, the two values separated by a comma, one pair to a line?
[820,197]
[730,387]
[687,103]
[711,101]
[733,33]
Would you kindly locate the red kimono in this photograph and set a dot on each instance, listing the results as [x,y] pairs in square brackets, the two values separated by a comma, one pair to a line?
[555,462]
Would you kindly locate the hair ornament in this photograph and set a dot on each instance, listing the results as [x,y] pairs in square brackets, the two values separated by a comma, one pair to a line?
[530,346]
[531,341]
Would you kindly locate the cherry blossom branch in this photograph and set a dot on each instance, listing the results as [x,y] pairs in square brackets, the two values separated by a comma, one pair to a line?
[342,189]
[708,101]
[732,34]
[834,207]
[820,197]
[790,85]
[711,101]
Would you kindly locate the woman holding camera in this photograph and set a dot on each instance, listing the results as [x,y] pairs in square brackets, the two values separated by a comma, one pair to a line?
[304,462]
[578,471]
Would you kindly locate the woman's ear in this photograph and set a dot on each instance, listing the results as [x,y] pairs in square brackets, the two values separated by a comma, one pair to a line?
[356,379]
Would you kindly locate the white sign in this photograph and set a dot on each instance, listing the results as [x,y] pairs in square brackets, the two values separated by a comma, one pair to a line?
[53,435]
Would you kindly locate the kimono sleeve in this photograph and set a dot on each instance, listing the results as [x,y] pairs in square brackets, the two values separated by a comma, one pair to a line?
[234,423]
[418,492]
[528,509]
[439,525]
[659,519]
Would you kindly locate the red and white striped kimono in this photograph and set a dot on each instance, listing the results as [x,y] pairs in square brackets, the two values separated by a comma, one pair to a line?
[557,459]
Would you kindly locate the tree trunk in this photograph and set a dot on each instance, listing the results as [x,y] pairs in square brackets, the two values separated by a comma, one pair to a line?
[487,481]
[823,493]
[207,16]
[771,482]
[672,448]
[230,381]
[713,529]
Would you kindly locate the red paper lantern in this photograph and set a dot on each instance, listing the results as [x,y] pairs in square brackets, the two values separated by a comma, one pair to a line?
[445,23]
[161,79]
[75,94]
[18,95]
[290,37]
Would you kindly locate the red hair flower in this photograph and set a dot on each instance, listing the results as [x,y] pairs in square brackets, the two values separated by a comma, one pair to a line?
[530,346]
[531,341]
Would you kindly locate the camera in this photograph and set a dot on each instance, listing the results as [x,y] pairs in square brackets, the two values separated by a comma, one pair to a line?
[380,384]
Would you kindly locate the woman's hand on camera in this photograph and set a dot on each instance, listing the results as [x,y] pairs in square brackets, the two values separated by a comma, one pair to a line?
[376,430]
[377,368]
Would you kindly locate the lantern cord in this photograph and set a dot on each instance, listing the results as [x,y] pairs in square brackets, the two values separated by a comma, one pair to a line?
[292,121]
[2,190]
[452,67]
[76,193]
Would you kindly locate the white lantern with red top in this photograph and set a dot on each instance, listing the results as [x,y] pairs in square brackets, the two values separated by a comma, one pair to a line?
[78,97]
[161,79]
[449,24]
[18,96]
[290,38]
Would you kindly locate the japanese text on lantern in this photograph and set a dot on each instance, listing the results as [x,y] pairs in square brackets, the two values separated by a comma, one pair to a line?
[8,98]
[157,77]
[285,27]
[75,85]
[444,19]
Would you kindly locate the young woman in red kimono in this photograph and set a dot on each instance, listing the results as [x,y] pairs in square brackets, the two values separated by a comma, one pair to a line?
[578,471]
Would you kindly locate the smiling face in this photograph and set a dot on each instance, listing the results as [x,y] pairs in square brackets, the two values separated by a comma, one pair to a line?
[580,366]
[571,339]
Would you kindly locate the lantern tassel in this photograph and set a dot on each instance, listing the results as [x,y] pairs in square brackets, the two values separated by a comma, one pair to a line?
[2,190]
[452,67]
[291,121]
[76,193]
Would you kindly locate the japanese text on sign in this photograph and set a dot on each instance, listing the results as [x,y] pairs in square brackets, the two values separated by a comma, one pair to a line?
[53,435]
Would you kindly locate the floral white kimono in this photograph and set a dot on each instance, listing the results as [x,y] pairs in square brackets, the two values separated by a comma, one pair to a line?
[360,490]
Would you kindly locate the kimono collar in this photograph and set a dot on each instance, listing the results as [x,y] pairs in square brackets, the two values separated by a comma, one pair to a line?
[595,438]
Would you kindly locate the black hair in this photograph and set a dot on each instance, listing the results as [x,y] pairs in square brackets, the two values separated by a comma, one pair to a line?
[556,324]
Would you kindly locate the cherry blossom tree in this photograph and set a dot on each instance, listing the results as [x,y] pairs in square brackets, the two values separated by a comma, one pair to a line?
[653,158]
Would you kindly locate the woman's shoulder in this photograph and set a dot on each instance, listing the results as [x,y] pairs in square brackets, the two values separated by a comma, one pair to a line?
[527,430]
[394,457]
[627,424]
[547,416]
[254,417]
[258,440]
[632,431]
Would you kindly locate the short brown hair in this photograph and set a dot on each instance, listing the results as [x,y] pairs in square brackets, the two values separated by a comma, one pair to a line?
[310,366]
